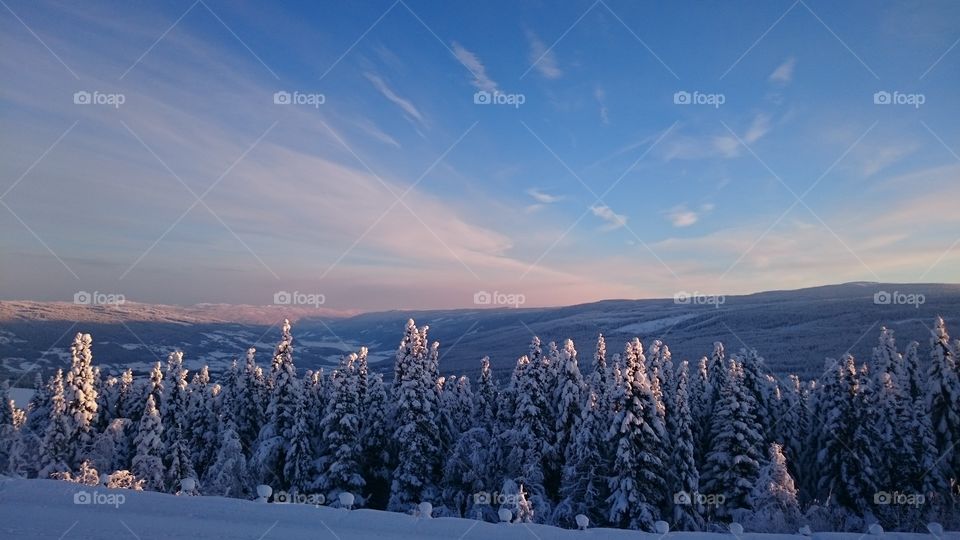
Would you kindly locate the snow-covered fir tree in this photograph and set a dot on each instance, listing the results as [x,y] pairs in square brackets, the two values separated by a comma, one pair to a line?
[8,430]
[844,449]
[299,466]
[684,478]
[528,438]
[583,487]
[202,421]
[568,395]
[80,396]
[773,499]
[600,372]
[228,476]
[173,415]
[250,402]
[374,440]
[487,398]
[26,448]
[467,476]
[148,461]
[943,402]
[416,437]
[340,461]
[638,488]
[274,441]
[56,450]
[733,461]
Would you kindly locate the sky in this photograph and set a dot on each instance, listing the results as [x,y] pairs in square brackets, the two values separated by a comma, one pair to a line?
[409,154]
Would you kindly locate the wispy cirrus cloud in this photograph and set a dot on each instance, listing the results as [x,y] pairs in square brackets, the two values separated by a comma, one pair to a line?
[783,75]
[541,199]
[481,81]
[601,96]
[392,96]
[543,59]
[682,216]
[613,220]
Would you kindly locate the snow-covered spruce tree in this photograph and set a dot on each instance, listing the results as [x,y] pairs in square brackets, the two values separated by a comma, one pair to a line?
[583,487]
[173,416]
[416,437]
[637,485]
[600,373]
[733,461]
[546,372]
[661,376]
[375,440]
[148,461]
[684,479]
[250,414]
[699,407]
[914,376]
[107,402]
[757,380]
[568,395]
[844,446]
[793,423]
[315,394]
[340,463]
[717,372]
[774,497]
[8,431]
[446,414]
[112,448]
[466,476]
[464,413]
[80,396]
[299,467]
[154,387]
[528,439]
[487,398]
[228,476]
[202,421]
[24,456]
[128,401]
[897,463]
[55,450]
[273,444]
[943,402]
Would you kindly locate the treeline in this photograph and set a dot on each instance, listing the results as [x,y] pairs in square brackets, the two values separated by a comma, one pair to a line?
[625,439]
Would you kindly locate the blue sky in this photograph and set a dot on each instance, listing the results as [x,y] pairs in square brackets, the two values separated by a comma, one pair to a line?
[399,191]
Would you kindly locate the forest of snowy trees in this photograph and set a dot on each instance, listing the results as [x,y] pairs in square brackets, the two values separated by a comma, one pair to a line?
[625,438]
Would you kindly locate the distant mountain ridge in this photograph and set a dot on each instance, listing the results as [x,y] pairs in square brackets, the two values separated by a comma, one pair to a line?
[795,330]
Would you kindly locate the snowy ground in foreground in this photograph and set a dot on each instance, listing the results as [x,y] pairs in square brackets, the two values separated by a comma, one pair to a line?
[45,509]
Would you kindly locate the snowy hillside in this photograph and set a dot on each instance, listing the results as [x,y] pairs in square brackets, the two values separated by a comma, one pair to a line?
[33,509]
